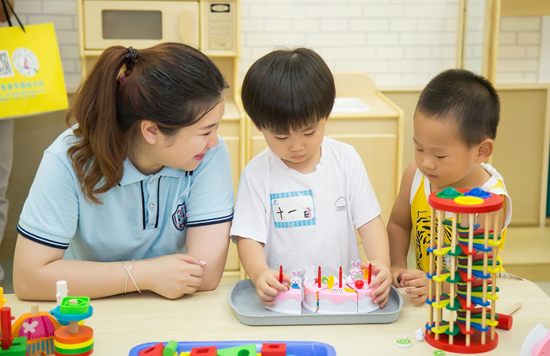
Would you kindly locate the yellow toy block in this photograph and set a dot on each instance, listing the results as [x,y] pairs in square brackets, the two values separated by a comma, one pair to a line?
[441,278]
[440,330]
[442,304]
[442,251]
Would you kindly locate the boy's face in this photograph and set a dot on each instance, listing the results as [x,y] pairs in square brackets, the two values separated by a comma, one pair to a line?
[300,150]
[441,155]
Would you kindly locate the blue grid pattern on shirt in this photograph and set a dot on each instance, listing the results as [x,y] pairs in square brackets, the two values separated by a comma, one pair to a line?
[293,223]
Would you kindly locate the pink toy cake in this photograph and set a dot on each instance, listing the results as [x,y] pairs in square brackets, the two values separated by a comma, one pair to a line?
[289,301]
[350,296]
[312,287]
[364,298]
[337,299]
[311,297]
[357,280]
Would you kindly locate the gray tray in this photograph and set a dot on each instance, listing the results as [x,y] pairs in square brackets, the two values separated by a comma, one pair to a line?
[249,310]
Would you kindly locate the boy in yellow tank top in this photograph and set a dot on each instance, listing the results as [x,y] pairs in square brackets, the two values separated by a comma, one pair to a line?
[455,126]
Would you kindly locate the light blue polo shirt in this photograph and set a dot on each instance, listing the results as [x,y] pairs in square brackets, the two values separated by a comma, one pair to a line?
[144,216]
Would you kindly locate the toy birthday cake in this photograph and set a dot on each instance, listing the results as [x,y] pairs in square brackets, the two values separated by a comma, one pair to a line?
[328,295]
[289,301]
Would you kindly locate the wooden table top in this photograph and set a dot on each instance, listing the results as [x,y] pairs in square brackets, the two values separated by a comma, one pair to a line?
[124,321]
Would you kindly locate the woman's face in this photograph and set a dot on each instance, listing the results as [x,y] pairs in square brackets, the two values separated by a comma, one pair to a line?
[184,150]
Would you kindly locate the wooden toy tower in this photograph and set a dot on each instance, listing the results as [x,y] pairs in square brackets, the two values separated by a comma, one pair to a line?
[471,270]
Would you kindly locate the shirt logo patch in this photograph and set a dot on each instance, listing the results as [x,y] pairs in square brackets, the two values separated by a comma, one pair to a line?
[293,209]
[340,204]
[180,217]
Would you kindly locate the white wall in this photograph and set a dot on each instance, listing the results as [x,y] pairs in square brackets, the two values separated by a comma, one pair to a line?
[519,49]
[396,41]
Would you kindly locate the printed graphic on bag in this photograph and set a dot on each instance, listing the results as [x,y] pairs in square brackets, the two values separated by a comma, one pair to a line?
[6,70]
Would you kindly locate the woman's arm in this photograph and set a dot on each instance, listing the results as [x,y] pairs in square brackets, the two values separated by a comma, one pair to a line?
[37,268]
[209,243]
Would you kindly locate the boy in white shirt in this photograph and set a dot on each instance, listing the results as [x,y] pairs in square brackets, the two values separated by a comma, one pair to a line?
[301,199]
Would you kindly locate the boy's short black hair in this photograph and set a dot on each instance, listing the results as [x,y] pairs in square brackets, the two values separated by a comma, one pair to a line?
[466,98]
[288,90]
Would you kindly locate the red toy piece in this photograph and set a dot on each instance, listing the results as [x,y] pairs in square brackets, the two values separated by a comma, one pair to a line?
[281,274]
[459,343]
[273,349]
[6,337]
[155,350]
[204,351]
[359,284]
[370,273]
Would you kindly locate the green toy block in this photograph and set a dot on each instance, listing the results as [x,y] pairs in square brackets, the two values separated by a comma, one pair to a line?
[245,350]
[456,330]
[75,305]
[170,348]
[456,278]
[79,351]
[456,305]
[18,347]
[458,251]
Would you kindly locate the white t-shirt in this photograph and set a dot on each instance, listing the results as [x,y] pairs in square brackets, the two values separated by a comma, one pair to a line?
[306,218]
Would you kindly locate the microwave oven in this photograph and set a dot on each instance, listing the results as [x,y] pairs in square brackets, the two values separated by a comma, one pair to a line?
[206,25]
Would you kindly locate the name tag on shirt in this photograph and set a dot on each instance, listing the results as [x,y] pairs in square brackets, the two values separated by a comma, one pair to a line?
[293,209]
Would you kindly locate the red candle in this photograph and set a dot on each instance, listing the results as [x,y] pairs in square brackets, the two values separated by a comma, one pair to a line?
[319,277]
[370,273]
[281,274]
[340,278]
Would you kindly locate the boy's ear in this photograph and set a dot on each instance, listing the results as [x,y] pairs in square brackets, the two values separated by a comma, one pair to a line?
[253,123]
[485,150]
[149,131]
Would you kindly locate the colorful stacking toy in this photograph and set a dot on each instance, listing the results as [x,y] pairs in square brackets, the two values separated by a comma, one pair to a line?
[471,271]
[74,339]
[39,328]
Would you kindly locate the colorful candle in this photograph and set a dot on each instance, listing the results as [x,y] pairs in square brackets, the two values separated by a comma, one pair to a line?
[370,273]
[319,277]
[281,274]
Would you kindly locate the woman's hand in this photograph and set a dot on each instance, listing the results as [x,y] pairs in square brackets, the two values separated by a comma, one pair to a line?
[171,276]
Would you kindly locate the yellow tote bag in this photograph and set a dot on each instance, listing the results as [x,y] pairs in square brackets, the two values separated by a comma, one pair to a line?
[31,76]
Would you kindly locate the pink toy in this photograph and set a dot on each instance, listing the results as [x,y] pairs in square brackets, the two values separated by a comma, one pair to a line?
[39,329]
[311,294]
[290,301]
[537,343]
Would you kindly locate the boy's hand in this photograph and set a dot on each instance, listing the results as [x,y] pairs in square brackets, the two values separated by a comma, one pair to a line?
[268,286]
[416,283]
[382,281]
[396,273]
